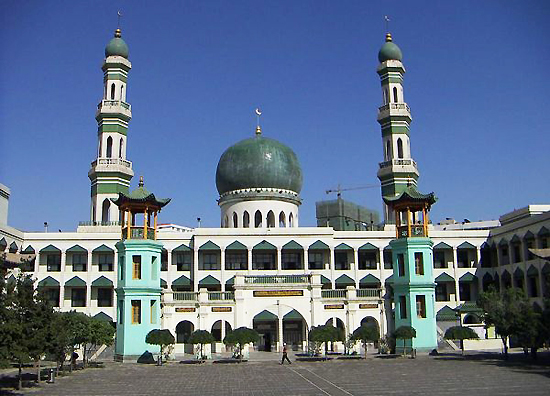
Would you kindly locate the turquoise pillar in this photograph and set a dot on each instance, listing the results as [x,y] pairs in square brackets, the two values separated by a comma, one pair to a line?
[414,291]
[138,297]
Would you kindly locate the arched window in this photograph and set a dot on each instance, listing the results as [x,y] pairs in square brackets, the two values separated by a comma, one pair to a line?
[226,222]
[235,220]
[93,211]
[282,220]
[121,92]
[270,219]
[120,148]
[399,148]
[109,147]
[291,220]
[105,210]
[395,94]
[388,150]
[113,91]
[258,219]
[183,331]
[100,154]
[246,219]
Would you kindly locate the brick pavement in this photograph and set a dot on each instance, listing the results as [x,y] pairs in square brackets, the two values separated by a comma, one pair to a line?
[375,376]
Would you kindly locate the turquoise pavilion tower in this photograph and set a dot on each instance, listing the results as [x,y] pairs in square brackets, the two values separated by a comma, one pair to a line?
[413,279]
[138,283]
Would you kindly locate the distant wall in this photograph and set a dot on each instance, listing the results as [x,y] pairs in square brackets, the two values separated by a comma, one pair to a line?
[4,203]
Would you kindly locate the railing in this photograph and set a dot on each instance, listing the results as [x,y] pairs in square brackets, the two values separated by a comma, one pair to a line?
[333,293]
[112,161]
[185,296]
[99,223]
[224,296]
[402,162]
[270,279]
[394,106]
[416,231]
[113,103]
[137,233]
[368,293]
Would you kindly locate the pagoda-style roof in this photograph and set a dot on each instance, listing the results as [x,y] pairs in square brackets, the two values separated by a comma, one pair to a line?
[140,197]
[411,194]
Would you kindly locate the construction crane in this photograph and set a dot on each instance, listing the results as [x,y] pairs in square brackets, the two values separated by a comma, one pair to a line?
[339,189]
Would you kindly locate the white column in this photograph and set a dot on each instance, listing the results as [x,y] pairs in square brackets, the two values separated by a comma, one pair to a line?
[169,272]
[63,260]
[455,264]
[89,262]
[37,263]
[331,264]
[249,258]
[305,259]
[279,260]
[222,269]
[279,326]
[356,267]
[195,269]
[478,256]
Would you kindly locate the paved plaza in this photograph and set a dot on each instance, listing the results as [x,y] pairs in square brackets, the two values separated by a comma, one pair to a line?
[442,375]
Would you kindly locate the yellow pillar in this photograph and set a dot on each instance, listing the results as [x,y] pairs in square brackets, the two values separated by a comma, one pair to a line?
[145,224]
[155,225]
[129,231]
[408,222]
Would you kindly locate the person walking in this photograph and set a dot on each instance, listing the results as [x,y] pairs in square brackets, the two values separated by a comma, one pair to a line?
[285,355]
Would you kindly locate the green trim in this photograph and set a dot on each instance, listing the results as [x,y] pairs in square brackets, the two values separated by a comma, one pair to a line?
[325,280]
[395,130]
[466,245]
[236,246]
[506,275]
[230,281]
[115,76]
[209,246]
[518,273]
[469,277]
[112,128]
[75,281]
[442,245]
[293,245]
[3,243]
[515,239]
[103,249]
[343,247]
[77,249]
[182,248]
[318,245]
[103,316]
[102,282]
[209,281]
[50,249]
[444,277]
[529,235]
[532,271]
[389,279]
[345,280]
[293,315]
[181,281]
[503,242]
[163,284]
[265,316]
[469,307]
[369,280]
[546,269]
[264,245]
[28,250]
[446,314]
[122,175]
[108,188]
[48,282]
[368,246]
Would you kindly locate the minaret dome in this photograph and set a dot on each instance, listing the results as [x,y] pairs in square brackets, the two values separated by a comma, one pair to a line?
[117,46]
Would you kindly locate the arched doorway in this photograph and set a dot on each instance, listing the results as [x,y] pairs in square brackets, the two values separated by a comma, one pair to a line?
[370,321]
[265,323]
[217,330]
[339,324]
[183,331]
[294,330]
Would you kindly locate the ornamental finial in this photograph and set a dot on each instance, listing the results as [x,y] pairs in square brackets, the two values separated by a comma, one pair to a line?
[258,127]
[140,181]
[388,34]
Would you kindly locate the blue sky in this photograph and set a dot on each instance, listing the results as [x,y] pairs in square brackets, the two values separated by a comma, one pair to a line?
[476,82]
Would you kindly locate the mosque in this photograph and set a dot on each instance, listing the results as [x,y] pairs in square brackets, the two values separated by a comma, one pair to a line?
[260,269]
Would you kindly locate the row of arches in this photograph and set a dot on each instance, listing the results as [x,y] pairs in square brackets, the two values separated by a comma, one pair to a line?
[259,220]
[394,98]
[109,148]
[111,92]
[389,152]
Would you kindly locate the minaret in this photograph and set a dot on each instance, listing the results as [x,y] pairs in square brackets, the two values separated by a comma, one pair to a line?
[398,171]
[111,173]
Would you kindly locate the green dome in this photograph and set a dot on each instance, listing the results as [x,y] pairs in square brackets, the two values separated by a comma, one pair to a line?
[389,51]
[258,162]
[117,46]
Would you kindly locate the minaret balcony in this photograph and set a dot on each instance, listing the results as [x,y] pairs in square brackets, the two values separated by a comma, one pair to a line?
[398,162]
[394,109]
[114,107]
[415,231]
[138,232]
[112,162]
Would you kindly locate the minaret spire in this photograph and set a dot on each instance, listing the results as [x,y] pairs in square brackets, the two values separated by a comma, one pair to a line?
[398,170]
[111,172]
[258,127]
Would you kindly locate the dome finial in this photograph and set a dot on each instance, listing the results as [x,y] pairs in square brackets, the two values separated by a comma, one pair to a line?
[388,37]
[258,127]
[140,181]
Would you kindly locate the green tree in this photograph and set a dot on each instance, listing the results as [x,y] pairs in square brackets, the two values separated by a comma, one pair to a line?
[59,344]
[405,333]
[240,337]
[324,334]
[460,333]
[366,334]
[201,337]
[100,332]
[502,310]
[77,325]
[162,338]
